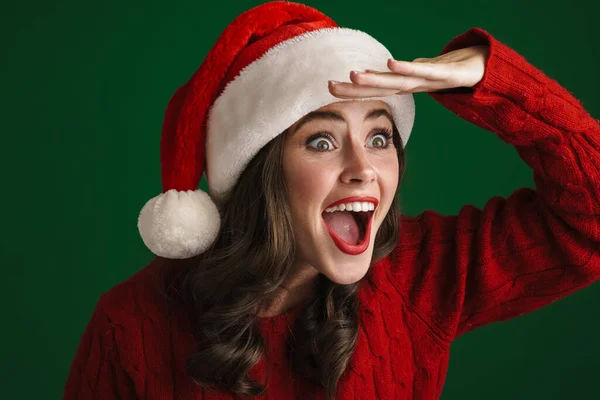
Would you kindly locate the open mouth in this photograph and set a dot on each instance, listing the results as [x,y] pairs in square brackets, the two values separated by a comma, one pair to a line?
[350,226]
[350,230]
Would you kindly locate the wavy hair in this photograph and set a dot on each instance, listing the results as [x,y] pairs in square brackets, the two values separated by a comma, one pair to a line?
[243,271]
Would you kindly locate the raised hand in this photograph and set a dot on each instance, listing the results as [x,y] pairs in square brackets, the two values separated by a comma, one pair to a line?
[458,68]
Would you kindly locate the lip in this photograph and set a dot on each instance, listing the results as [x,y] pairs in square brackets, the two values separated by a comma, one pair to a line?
[348,248]
[352,199]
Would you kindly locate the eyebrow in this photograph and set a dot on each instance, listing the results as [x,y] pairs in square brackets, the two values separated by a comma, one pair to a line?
[333,116]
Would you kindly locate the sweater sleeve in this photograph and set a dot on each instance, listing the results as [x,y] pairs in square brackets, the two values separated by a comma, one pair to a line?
[525,251]
[95,371]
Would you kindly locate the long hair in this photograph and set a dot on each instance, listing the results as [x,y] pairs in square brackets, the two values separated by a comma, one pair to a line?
[243,271]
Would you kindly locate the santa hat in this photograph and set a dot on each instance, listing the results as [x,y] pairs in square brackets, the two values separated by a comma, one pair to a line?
[268,69]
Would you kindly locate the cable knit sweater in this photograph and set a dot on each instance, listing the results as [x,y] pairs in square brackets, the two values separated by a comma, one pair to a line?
[447,276]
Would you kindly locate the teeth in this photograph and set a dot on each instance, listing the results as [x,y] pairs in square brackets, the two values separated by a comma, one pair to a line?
[355,206]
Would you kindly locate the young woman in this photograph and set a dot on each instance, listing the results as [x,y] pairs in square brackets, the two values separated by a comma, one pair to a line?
[298,278]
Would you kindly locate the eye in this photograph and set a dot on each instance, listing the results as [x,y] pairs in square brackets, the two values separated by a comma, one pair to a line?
[321,142]
[381,139]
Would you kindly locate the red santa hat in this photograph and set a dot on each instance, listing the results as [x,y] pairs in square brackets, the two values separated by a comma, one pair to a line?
[268,69]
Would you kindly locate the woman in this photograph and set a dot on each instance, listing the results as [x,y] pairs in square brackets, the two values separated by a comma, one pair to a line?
[302,280]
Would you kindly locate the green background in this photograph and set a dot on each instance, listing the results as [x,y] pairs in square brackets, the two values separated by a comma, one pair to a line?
[84,89]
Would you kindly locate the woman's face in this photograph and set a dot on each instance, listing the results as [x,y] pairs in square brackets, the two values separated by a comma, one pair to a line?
[341,152]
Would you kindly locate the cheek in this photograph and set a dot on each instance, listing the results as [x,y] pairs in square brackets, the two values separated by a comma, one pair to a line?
[301,181]
[388,175]
[308,183]
[388,182]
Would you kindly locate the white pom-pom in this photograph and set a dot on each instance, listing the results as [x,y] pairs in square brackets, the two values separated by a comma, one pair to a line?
[179,224]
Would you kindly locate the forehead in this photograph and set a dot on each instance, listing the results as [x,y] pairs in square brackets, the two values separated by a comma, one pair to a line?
[354,110]
[355,106]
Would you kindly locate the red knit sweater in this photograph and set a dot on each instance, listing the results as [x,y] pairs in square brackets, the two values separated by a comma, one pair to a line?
[447,276]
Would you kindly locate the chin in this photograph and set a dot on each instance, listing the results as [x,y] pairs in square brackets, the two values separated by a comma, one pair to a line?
[347,276]
[346,281]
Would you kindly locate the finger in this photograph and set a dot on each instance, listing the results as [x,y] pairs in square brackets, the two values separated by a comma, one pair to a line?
[421,69]
[351,90]
[388,80]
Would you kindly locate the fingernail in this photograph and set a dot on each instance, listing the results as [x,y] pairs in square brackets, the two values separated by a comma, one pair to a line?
[333,82]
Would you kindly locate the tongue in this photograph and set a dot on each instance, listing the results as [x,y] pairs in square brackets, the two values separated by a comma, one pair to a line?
[342,223]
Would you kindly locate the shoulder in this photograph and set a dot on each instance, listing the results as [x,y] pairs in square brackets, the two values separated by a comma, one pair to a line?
[142,324]
[137,308]
[137,297]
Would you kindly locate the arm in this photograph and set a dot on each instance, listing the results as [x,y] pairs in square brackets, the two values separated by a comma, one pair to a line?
[96,372]
[519,253]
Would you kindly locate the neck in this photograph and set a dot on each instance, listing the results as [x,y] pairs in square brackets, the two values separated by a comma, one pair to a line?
[298,287]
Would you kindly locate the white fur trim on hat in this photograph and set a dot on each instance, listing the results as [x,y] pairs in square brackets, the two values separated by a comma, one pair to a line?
[178,224]
[286,83]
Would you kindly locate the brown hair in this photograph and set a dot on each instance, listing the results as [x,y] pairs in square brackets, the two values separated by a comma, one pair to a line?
[243,271]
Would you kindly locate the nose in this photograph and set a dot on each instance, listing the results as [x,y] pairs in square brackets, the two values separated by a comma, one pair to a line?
[357,168]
